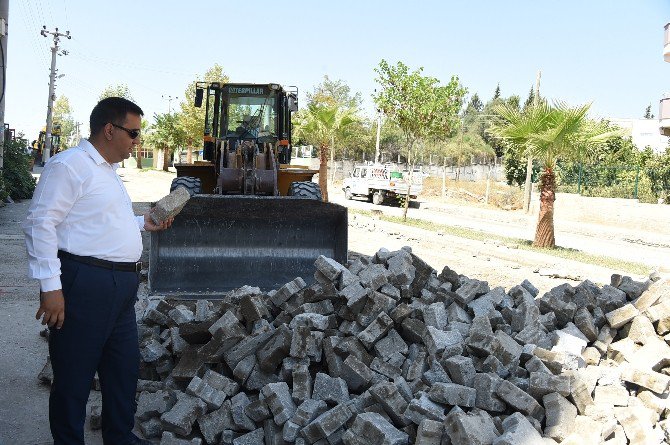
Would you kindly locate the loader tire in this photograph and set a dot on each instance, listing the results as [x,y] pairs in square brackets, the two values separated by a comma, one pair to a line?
[190,183]
[305,189]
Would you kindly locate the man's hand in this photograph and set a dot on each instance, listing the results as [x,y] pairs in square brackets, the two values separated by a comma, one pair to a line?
[52,307]
[151,226]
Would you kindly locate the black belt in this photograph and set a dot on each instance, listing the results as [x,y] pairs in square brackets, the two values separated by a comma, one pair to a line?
[123,267]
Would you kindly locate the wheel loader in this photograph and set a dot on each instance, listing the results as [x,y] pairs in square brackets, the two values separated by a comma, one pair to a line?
[253,219]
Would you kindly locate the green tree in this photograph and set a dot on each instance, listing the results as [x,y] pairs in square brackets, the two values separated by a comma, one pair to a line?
[191,118]
[475,103]
[322,125]
[166,135]
[472,112]
[647,113]
[16,180]
[496,93]
[334,92]
[62,115]
[139,147]
[358,139]
[483,121]
[659,174]
[391,140]
[617,151]
[530,99]
[515,169]
[465,148]
[337,94]
[419,105]
[549,134]
[119,90]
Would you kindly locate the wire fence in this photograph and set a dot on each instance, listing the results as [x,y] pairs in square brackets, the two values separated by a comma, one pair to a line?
[607,181]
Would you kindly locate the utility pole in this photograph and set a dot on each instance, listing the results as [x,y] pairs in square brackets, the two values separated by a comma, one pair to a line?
[77,135]
[379,132]
[169,99]
[4,18]
[529,164]
[46,153]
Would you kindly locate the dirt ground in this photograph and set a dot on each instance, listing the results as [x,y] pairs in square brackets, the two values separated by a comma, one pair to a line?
[618,228]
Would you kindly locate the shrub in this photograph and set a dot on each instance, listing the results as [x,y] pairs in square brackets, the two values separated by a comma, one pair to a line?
[3,190]
[18,181]
[515,170]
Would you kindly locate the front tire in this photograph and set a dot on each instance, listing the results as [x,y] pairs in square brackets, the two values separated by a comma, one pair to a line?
[305,189]
[347,194]
[190,183]
[377,198]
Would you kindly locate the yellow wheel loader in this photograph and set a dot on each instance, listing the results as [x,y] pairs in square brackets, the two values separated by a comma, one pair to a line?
[39,144]
[253,219]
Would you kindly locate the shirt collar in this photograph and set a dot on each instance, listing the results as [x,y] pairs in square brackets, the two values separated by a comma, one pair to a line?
[93,152]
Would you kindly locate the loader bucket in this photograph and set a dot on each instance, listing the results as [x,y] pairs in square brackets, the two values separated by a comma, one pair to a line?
[222,242]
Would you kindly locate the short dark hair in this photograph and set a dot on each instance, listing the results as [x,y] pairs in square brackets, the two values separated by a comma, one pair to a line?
[112,110]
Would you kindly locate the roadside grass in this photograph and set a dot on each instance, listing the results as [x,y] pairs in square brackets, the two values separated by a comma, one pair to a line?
[516,243]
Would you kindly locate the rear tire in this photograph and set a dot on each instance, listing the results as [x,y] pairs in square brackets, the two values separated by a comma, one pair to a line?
[305,189]
[347,194]
[190,183]
[377,198]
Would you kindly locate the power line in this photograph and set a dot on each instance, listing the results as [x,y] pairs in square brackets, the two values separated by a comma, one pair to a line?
[48,9]
[34,25]
[67,21]
[82,83]
[39,10]
[86,55]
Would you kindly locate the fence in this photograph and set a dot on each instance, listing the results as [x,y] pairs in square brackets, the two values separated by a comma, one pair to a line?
[619,181]
[342,169]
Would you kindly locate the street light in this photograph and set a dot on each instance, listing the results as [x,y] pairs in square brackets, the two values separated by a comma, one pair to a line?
[169,99]
[379,131]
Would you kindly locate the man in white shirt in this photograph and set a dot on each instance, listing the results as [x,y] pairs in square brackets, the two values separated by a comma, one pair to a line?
[84,244]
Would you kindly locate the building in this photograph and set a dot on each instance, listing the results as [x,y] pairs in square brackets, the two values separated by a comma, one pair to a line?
[644,132]
[664,108]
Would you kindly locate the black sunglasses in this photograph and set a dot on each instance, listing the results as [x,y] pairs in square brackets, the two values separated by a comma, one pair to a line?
[132,133]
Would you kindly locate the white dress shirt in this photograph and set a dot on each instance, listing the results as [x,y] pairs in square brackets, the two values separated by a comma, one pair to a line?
[80,206]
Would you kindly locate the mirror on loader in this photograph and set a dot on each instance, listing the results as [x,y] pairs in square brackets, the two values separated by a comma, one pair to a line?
[293,102]
[198,97]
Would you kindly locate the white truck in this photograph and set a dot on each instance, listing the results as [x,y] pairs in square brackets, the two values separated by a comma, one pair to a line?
[378,182]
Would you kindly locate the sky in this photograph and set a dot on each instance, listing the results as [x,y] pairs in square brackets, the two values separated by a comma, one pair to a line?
[608,52]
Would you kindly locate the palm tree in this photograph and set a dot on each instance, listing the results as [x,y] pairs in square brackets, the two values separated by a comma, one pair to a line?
[166,135]
[144,126]
[549,133]
[323,125]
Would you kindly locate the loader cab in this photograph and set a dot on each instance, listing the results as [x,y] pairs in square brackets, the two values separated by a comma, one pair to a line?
[246,140]
[257,113]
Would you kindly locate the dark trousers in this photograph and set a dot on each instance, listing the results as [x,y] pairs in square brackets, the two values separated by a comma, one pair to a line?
[99,334]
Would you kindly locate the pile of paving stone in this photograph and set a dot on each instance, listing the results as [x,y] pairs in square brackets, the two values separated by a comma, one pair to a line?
[388,351]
